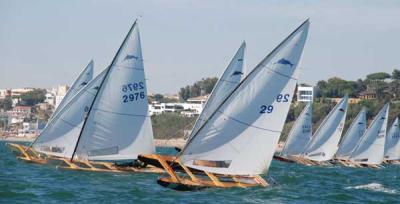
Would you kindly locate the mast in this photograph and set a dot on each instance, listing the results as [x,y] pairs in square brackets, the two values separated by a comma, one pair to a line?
[101,85]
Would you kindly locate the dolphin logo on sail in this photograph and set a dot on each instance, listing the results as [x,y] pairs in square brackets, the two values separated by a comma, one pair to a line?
[237,73]
[128,57]
[285,62]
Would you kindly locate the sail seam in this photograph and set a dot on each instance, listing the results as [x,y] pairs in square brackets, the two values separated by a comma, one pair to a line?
[128,67]
[126,114]
[232,82]
[244,123]
[272,70]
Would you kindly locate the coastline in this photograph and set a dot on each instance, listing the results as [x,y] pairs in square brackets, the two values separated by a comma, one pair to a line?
[157,142]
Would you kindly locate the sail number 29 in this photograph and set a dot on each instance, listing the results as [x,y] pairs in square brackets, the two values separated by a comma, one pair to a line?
[280,98]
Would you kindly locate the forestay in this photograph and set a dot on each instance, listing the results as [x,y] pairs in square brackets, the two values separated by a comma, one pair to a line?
[353,135]
[300,134]
[225,85]
[80,82]
[60,135]
[240,137]
[392,145]
[325,141]
[118,126]
[370,149]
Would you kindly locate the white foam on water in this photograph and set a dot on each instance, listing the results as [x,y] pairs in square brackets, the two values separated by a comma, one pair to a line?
[377,187]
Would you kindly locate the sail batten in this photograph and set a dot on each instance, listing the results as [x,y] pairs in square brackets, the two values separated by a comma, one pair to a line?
[370,149]
[237,137]
[326,139]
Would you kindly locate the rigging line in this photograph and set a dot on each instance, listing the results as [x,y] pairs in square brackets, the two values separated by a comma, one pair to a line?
[234,90]
[127,67]
[100,88]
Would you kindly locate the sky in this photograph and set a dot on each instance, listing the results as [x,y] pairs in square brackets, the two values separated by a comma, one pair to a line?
[44,43]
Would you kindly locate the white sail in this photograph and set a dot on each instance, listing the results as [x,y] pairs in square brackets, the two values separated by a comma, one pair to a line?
[225,85]
[353,135]
[118,126]
[371,147]
[60,135]
[325,141]
[80,82]
[392,144]
[240,137]
[300,134]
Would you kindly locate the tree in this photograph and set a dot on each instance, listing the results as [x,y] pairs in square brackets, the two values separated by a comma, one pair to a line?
[199,88]
[396,74]
[378,76]
[34,97]
[158,97]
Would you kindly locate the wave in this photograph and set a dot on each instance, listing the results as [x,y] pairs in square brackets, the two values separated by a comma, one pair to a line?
[377,187]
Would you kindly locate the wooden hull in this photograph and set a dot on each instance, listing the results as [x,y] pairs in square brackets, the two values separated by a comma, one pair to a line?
[348,163]
[183,178]
[283,159]
[27,154]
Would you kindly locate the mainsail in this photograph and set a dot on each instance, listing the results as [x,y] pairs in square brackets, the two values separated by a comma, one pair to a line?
[392,145]
[300,134]
[226,83]
[240,136]
[325,141]
[353,135]
[60,135]
[370,149]
[80,82]
[118,126]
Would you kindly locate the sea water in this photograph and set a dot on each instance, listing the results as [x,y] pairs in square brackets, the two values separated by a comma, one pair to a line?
[22,182]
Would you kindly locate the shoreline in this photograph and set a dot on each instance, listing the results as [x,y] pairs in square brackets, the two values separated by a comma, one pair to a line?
[157,142]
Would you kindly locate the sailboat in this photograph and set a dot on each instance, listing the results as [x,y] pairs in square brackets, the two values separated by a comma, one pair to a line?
[392,144]
[299,136]
[370,149]
[237,142]
[352,136]
[83,79]
[324,143]
[228,81]
[107,120]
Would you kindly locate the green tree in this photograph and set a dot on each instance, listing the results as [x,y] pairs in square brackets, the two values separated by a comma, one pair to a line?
[199,88]
[378,76]
[396,74]
[34,97]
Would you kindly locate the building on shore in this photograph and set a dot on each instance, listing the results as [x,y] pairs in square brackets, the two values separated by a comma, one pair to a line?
[192,107]
[305,93]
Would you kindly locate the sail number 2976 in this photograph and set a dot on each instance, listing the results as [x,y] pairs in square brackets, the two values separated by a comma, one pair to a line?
[134,92]
[280,98]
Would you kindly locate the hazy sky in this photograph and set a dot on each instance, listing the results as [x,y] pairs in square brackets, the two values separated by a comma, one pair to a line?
[45,43]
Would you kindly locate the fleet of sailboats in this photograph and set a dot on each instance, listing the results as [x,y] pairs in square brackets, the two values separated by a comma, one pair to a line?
[103,124]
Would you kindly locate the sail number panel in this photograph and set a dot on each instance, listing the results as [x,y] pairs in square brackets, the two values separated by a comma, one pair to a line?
[281,98]
[133,92]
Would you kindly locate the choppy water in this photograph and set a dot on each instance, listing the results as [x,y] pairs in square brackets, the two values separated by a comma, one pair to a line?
[21,182]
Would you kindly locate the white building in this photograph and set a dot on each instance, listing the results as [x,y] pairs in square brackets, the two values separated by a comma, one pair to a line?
[59,92]
[192,107]
[50,99]
[305,93]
